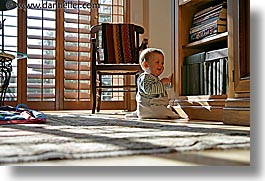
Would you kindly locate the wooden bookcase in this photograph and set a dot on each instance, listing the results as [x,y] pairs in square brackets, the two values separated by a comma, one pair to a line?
[236,102]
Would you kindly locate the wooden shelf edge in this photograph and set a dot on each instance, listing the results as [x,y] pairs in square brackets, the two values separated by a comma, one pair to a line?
[212,39]
[182,2]
[194,2]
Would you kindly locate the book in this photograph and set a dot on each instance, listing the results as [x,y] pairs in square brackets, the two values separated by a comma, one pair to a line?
[216,54]
[218,60]
[184,80]
[196,78]
[208,24]
[210,10]
[188,87]
[191,67]
[191,80]
[225,76]
[210,78]
[195,58]
[221,87]
[206,78]
[211,30]
[216,15]
[214,78]
[218,80]
[201,71]
[205,73]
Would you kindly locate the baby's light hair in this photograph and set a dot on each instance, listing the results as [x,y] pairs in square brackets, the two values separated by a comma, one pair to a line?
[147,53]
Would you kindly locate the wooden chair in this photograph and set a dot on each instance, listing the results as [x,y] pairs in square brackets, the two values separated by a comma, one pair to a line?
[121,47]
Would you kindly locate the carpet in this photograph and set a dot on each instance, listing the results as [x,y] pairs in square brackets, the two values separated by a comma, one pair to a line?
[73,136]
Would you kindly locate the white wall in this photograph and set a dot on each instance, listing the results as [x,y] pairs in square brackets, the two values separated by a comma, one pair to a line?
[160,29]
[137,11]
[155,17]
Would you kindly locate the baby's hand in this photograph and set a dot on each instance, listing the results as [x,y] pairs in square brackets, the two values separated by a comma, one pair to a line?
[165,81]
[171,78]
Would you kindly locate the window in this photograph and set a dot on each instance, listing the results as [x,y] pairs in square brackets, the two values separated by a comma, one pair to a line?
[77,23]
[56,74]
[41,51]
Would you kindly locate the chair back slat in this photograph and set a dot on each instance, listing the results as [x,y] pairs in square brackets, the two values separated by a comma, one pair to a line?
[118,43]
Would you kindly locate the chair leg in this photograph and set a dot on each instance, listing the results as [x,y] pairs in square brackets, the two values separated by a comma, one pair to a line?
[99,99]
[94,91]
[99,92]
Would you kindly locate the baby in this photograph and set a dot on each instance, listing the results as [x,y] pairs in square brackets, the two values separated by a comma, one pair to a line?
[152,100]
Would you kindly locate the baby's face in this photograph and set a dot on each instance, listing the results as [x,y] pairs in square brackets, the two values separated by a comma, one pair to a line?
[156,64]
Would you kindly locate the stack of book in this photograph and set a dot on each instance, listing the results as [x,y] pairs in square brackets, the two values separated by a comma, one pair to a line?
[209,22]
[205,73]
[216,72]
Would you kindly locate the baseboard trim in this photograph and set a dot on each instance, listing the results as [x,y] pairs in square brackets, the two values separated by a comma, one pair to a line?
[237,111]
[237,116]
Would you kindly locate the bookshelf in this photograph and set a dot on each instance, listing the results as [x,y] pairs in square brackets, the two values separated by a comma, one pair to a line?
[235,101]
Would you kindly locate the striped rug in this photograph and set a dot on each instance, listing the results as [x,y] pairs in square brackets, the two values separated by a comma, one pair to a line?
[80,136]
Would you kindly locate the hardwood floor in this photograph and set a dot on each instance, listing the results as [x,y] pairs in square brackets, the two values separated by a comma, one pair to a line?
[235,157]
[202,158]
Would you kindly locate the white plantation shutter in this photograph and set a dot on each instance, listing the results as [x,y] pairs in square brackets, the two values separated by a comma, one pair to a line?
[77,48]
[76,53]
[41,31]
